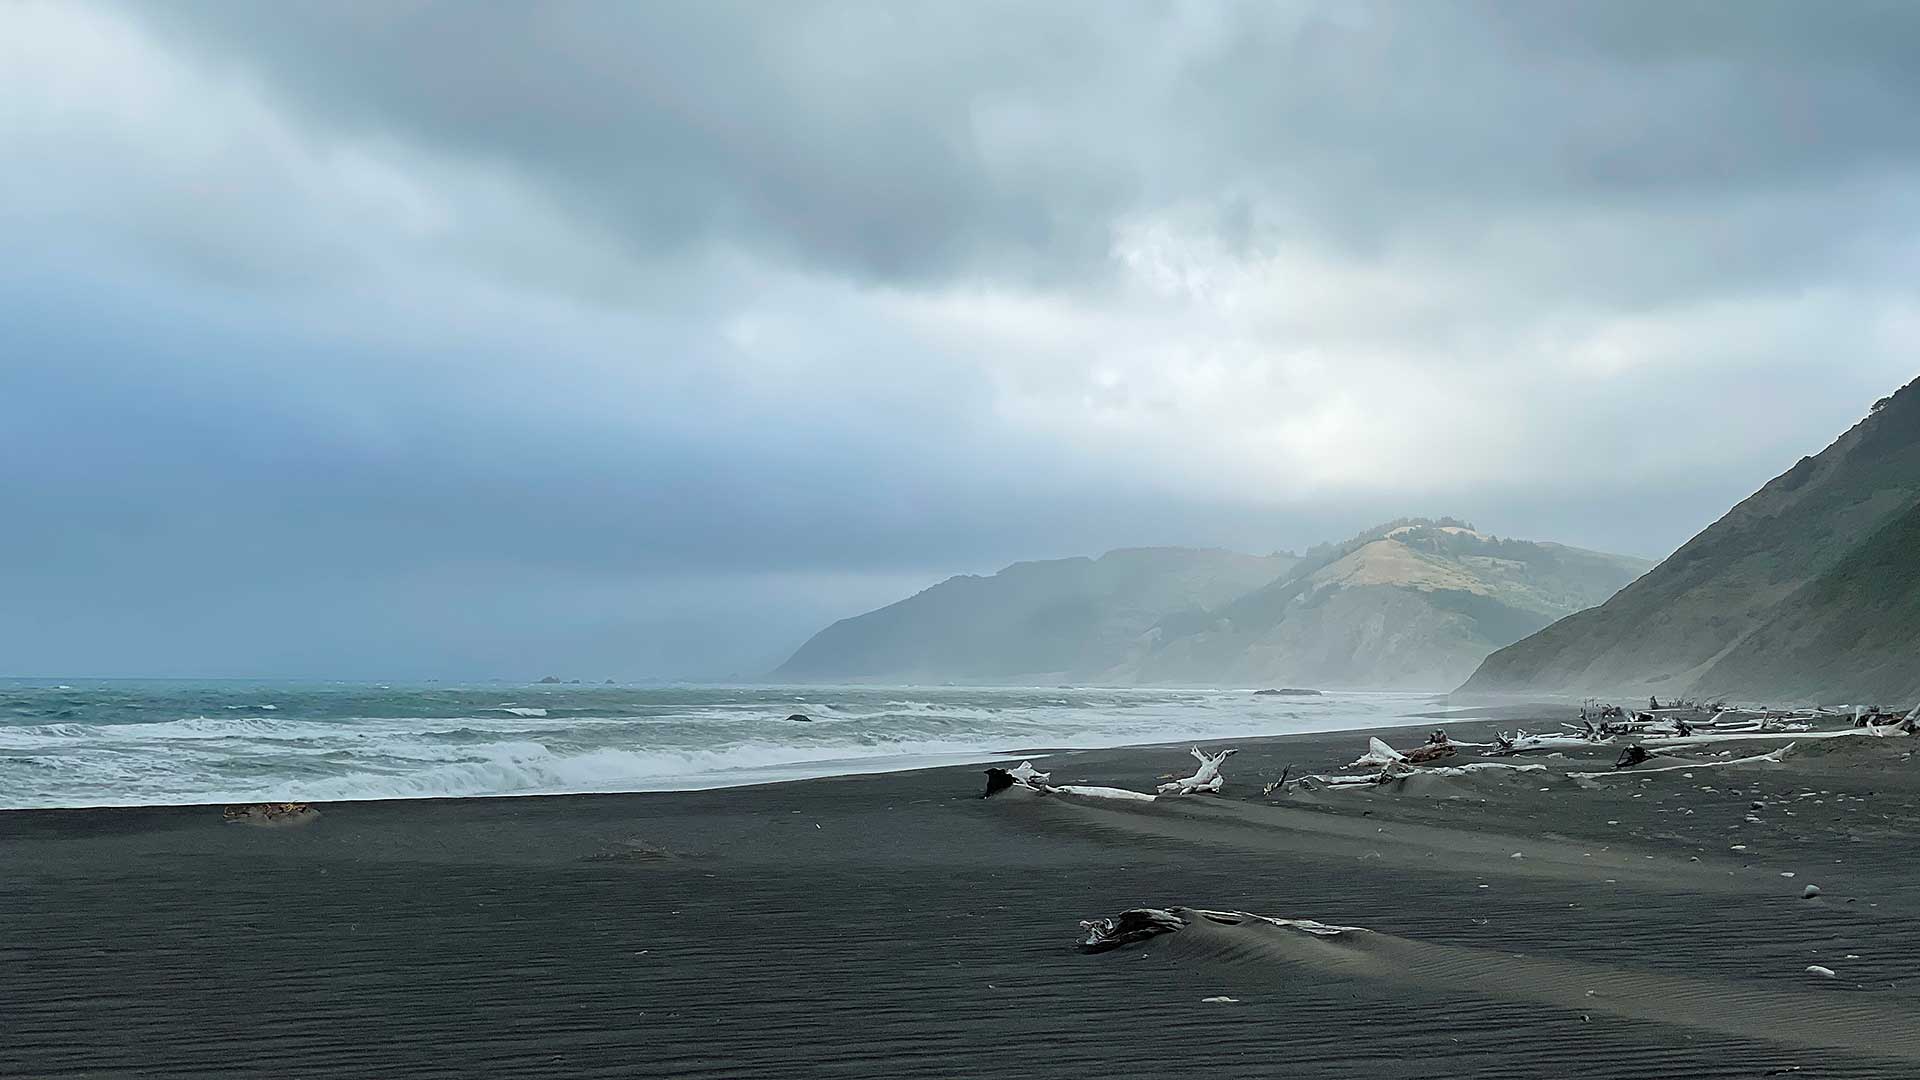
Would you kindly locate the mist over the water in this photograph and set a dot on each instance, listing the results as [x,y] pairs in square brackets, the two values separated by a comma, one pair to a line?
[136,743]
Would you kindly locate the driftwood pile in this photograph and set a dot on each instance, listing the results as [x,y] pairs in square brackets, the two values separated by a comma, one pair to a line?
[1391,765]
[1638,734]
[1670,727]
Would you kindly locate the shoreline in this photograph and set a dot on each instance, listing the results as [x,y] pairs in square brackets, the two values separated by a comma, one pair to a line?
[988,758]
[898,925]
[203,745]
[805,770]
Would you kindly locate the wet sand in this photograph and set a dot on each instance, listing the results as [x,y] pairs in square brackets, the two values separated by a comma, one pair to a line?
[900,926]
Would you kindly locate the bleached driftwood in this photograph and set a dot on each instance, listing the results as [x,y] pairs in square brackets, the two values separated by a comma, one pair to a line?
[1774,757]
[1205,779]
[1523,743]
[1093,792]
[1906,725]
[1480,766]
[1041,783]
[1710,738]
[1378,753]
[1401,770]
[1315,781]
[1023,775]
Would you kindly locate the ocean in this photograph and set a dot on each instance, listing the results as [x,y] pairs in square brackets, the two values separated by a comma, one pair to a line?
[124,742]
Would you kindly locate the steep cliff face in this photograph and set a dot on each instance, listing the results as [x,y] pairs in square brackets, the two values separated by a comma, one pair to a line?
[1411,604]
[1851,634]
[1776,597]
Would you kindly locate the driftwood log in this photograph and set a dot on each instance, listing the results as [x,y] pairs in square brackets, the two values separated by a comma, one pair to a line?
[1206,779]
[1379,753]
[1024,774]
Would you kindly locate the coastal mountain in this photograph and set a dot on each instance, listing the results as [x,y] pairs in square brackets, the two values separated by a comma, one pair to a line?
[1808,590]
[1032,620]
[1409,605]
[1415,603]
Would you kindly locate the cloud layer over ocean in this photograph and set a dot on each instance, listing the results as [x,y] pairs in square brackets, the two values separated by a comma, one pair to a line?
[410,339]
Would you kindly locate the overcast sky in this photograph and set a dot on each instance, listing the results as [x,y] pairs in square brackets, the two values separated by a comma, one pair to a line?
[412,339]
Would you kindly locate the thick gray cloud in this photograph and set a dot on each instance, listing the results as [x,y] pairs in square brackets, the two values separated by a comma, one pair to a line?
[902,140]
[467,339]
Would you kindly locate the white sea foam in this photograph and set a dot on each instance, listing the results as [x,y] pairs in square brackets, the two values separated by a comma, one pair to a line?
[319,748]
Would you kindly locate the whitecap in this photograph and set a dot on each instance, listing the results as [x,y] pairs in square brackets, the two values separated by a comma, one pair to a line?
[682,739]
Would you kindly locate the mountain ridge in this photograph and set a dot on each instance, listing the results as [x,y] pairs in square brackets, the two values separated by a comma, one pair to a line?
[1418,601]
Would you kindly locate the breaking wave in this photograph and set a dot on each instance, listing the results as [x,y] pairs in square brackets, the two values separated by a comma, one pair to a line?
[142,744]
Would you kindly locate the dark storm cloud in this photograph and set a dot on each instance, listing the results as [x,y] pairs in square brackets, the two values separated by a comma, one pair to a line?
[431,338]
[906,141]
[836,133]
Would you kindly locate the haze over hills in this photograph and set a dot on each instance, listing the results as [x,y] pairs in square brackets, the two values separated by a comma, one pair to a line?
[1414,603]
[1407,605]
[1046,618]
[1808,590]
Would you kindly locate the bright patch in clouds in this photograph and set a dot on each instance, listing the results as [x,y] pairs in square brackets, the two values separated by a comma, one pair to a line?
[320,316]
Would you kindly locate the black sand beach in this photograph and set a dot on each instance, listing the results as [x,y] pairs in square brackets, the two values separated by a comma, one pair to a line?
[1521,925]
